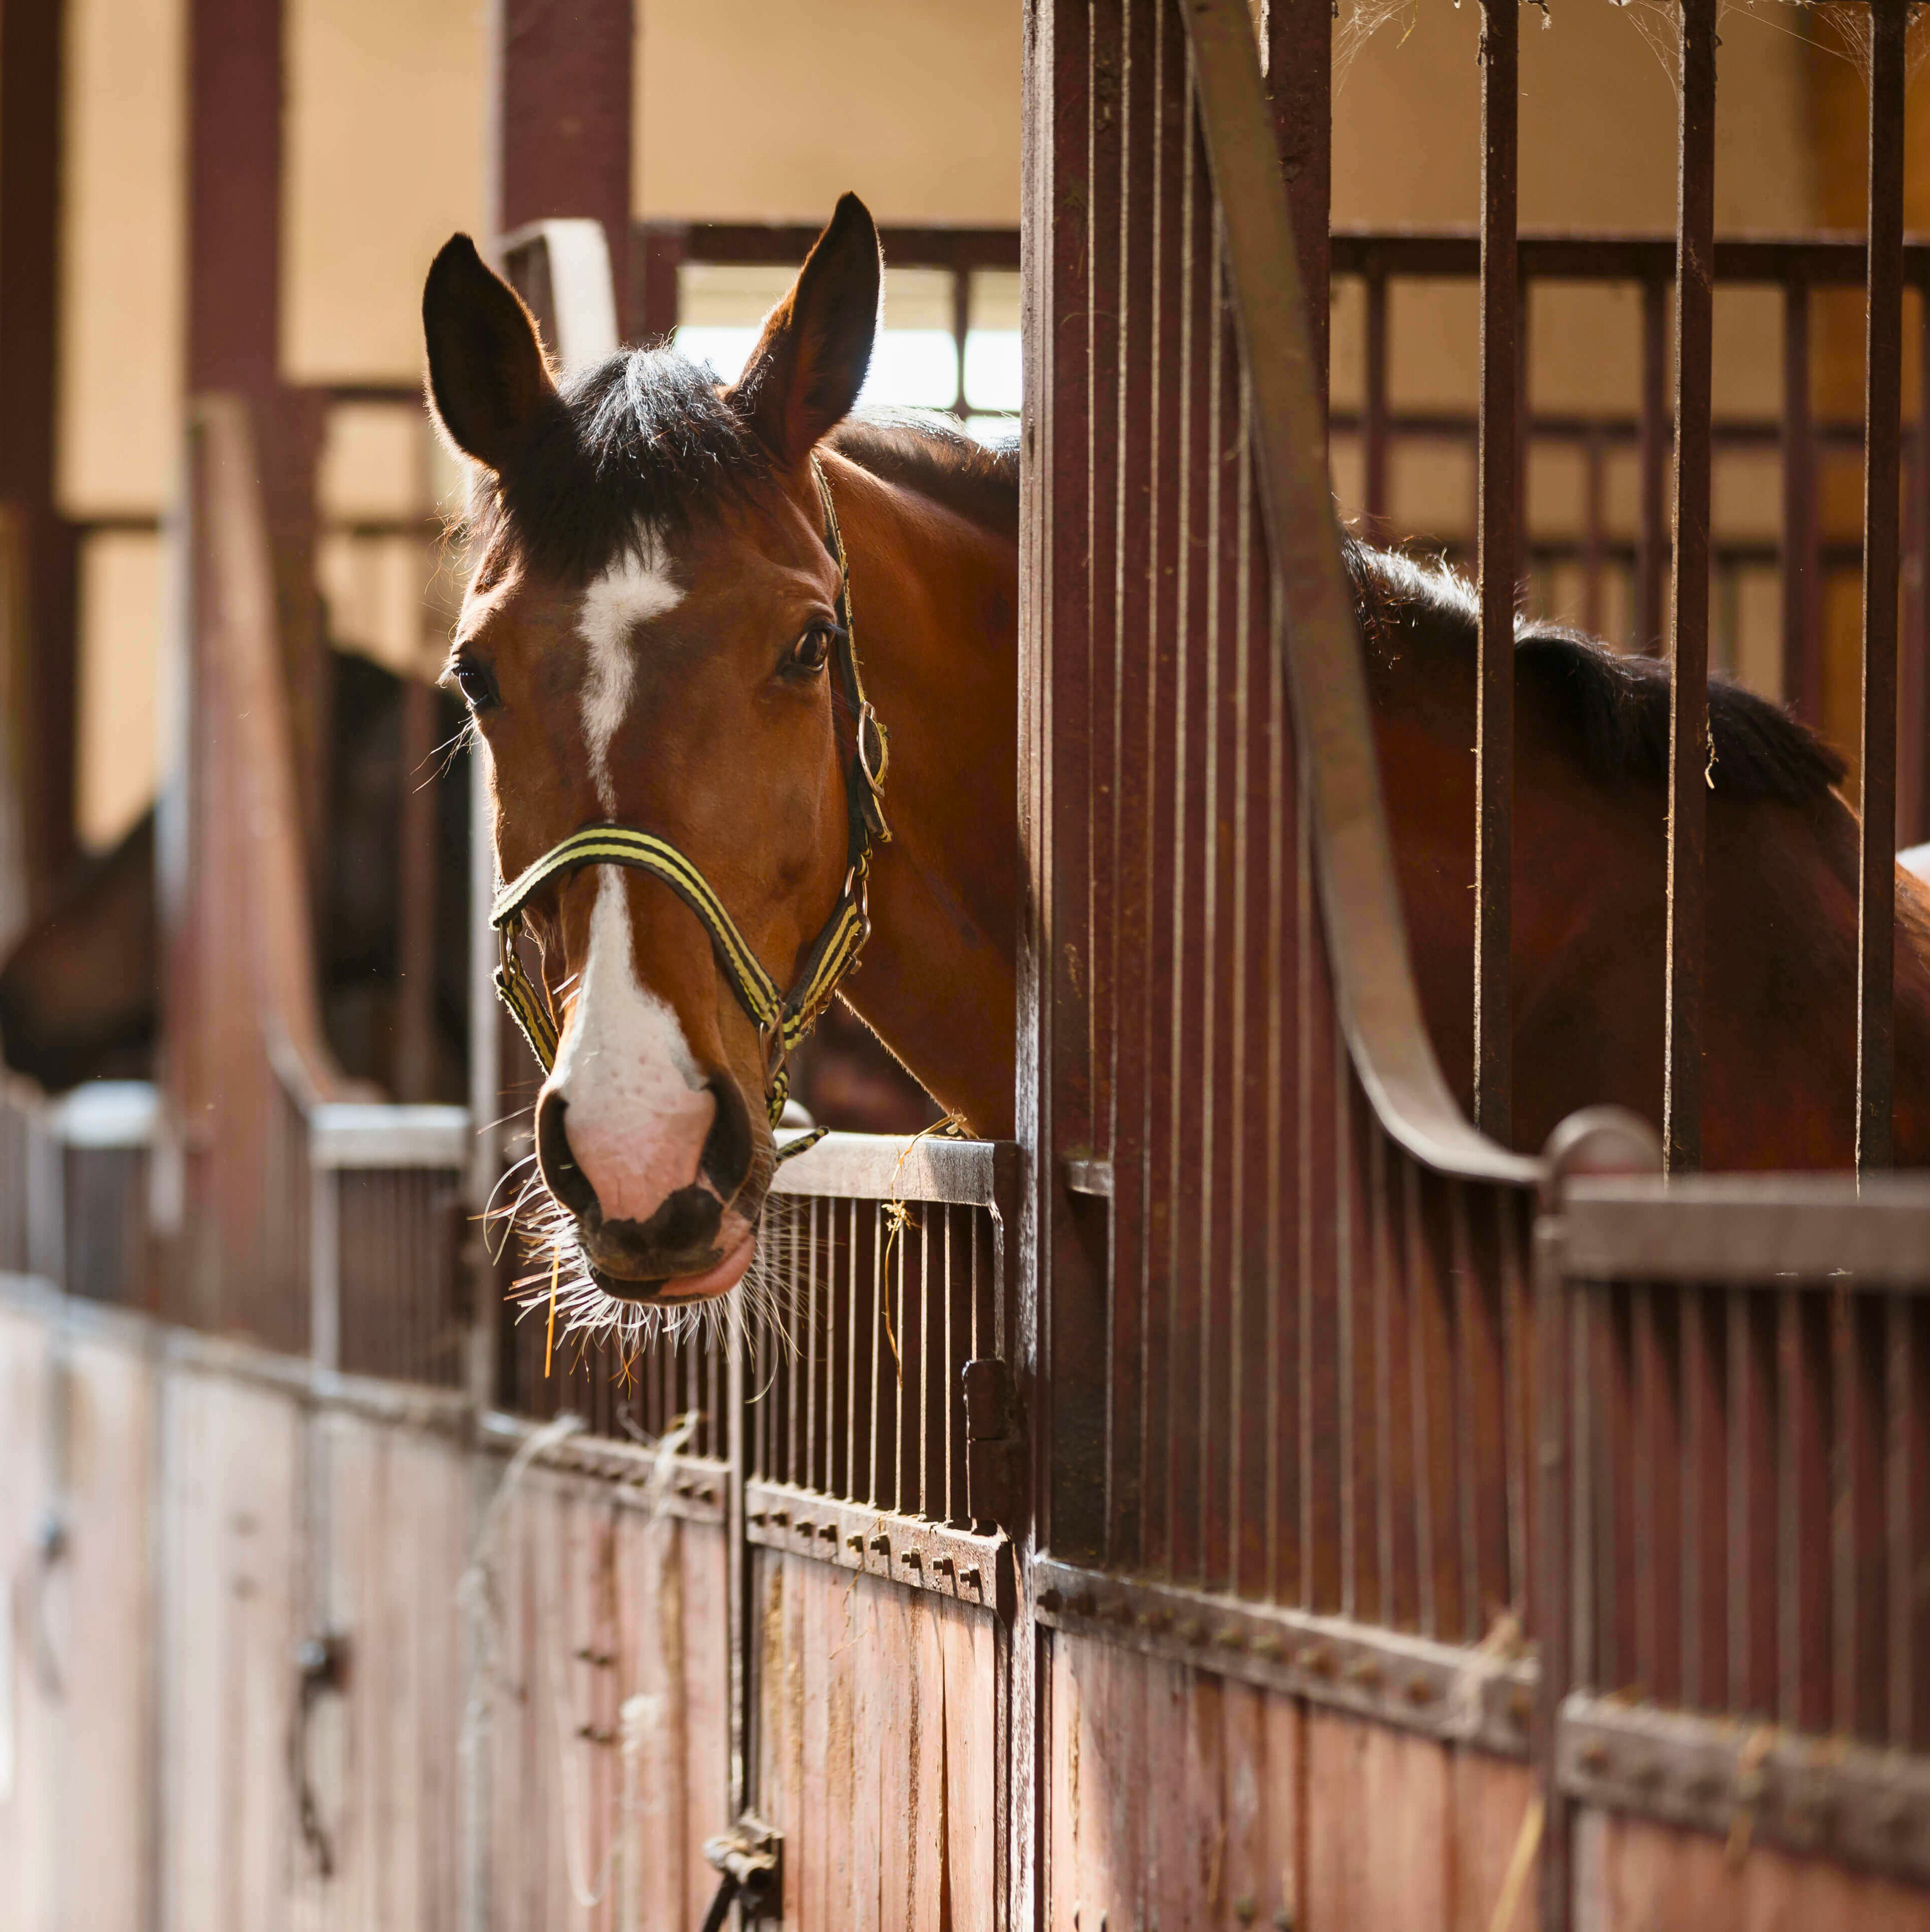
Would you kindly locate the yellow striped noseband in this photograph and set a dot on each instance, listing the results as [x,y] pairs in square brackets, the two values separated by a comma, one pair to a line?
[781,1018]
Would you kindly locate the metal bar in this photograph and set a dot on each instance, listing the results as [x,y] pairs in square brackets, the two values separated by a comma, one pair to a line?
[1802,634]
[1750,1371]
[1297,36]
[893,1167]
[1824,260]
[1883,413]
[1688,642]
[1558,1425]
[1378,1004]
[1651,555]
[1802,1502]
[1913,678]
[1410,1682]
[1751,1230]
[785,244]
[1859,1612]
[1833,1802]
[1594,513]
[1374,413]
[1496,536]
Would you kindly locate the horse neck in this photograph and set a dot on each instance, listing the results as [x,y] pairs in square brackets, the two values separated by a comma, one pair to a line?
[935,603]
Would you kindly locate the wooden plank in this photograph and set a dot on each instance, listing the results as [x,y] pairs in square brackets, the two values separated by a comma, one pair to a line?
[872,1720]
[1631,1874]
[28,1876]
[1490,1798]
[707,1731]
[928,1906]
[968,1649]
[1378,1834]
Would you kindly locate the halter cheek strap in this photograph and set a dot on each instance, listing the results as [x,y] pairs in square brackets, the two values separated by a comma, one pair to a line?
[781,1018]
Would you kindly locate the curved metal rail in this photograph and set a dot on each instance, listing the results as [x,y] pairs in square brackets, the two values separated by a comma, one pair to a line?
[1374,981]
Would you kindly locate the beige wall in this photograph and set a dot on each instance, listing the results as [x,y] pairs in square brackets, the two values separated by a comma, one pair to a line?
[769,108]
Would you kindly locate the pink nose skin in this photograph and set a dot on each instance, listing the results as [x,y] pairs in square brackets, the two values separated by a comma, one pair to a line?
[636,1165]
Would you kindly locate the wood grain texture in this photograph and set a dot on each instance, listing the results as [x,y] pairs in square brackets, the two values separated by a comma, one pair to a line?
[231,1848]
[1630,1875]
[27,1707]
[1173,1796]
[876,1752]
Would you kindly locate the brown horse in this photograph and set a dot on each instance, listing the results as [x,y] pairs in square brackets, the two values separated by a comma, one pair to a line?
[645,639]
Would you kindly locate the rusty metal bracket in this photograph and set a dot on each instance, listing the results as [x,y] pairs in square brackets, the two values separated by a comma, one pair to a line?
[1481,1697]
[1818,1797]
[749,1859]
[322,1665]
[973,1567]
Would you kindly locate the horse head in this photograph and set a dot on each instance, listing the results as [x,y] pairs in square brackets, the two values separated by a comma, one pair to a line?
[650,639]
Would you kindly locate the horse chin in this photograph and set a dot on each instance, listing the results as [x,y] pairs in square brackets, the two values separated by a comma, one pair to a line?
[679,1291]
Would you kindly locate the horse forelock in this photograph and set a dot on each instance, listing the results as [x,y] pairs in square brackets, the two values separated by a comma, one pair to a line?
[629,452]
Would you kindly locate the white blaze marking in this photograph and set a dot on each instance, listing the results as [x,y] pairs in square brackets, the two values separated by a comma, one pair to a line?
[639,1111]
[632,590]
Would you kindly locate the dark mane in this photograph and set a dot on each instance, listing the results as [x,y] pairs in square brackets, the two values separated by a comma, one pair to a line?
[644,440]
[930,453]
[1617,705]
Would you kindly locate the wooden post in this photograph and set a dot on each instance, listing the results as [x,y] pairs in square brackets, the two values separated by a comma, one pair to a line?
[560,135]
[37,632]
[234,328]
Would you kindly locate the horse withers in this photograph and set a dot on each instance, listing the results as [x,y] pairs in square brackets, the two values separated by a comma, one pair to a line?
[650,640]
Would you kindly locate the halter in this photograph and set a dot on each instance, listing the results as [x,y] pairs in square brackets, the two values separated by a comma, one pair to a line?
[782,1019]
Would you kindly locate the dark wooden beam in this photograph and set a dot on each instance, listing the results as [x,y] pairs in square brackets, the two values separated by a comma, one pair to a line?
[42,682]
[560,132]
[235,86]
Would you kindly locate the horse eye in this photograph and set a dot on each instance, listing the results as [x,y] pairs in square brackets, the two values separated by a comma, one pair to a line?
[811,649]
[478,687]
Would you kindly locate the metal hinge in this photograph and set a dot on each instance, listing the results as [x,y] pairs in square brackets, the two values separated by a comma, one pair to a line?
[750,1857]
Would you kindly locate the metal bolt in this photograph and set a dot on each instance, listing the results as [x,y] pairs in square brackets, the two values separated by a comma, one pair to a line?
[1049,1601]
[969,1578]
[686,1489]
[758,1517]
[1158,1621]
[1317,1660]
[1085,1603]
[856,1543]
[1270,1648]
[913,1558]
[1419,1691]
[829,1532]
[781,1517]
[882,1545]
[1592,1757]
[1364,1671]
[706,1494]
[804,1526]
[943,1564]
[1231,1637]
[1189,1629]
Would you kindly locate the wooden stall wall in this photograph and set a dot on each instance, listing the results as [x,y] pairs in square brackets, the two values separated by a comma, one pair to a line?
[284,1649]
[878,1749]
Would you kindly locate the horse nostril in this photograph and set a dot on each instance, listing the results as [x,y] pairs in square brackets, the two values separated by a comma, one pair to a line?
[561,1174]
[726,1159]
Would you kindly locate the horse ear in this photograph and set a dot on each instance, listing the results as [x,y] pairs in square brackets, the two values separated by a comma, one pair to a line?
[488,377]
[805,373]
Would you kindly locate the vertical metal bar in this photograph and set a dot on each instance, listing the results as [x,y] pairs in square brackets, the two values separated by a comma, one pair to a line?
[1906,1458]
[1595,515]
[1558,1424]
[1653,544]
[1802,639]
[1912,677]
[961,327]
[1688,685]
[1374,415]
[1858,1699]
[1802,1505]
[1296,41]
[1883,426]
[1496,537]
[1752,1452]
[1705,1629]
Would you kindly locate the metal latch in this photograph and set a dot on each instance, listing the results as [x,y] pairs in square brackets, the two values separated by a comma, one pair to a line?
[750,1856]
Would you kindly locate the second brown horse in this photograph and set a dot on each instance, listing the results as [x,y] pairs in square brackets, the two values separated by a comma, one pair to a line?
[643,640]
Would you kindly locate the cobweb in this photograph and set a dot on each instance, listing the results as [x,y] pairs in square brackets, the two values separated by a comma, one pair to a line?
[1841,27]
